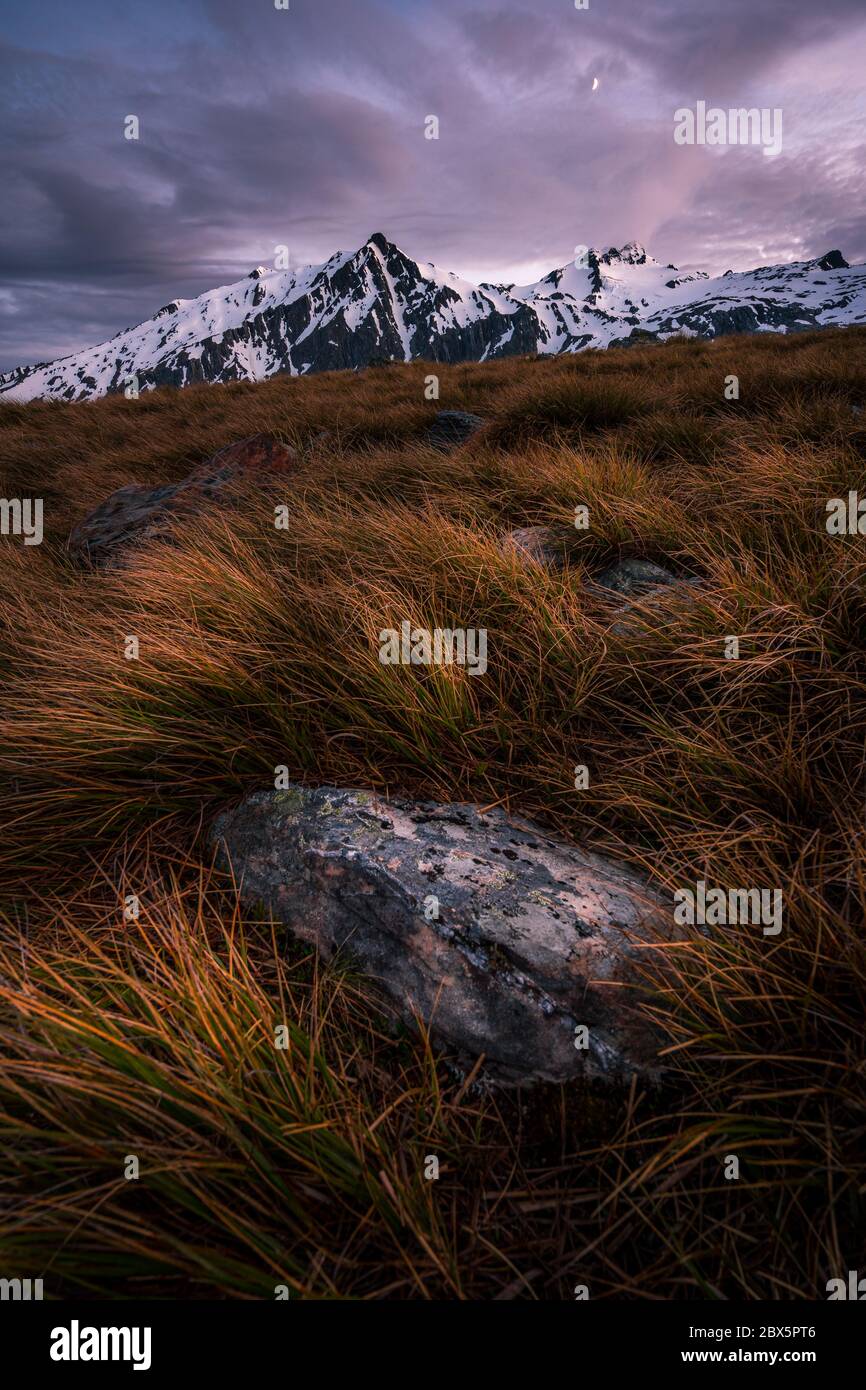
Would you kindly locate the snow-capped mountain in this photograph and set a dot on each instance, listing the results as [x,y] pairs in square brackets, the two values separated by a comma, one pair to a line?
[378,304]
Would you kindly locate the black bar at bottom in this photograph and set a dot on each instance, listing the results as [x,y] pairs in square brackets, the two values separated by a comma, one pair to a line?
[224,1339]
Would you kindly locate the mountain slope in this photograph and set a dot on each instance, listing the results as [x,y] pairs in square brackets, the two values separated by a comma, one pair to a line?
[378,304]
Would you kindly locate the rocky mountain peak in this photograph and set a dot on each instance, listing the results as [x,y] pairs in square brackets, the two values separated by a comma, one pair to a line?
[834,260]
[630,254]
[381,243]
[378,304]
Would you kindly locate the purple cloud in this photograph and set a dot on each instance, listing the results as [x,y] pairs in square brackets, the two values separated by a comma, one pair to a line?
[306,127]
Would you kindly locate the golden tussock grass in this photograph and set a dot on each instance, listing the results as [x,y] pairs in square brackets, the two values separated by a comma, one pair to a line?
[258,648]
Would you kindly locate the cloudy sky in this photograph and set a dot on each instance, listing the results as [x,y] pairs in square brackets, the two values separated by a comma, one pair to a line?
[304,127]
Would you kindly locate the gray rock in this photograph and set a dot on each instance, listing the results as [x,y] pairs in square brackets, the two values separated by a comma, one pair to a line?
[638,337]
[634,577]
[499,937]
[451,428]
[138,514]
[547,546]
[632,583]
[636,585]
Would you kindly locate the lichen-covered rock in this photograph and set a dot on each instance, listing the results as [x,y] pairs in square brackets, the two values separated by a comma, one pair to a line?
[502,939]
[451,428]
[141,513]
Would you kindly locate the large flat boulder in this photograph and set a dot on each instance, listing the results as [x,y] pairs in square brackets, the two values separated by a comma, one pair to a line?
[502,939]
[136,514]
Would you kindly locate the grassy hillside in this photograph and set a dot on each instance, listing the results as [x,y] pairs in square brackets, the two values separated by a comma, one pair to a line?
[154,1037]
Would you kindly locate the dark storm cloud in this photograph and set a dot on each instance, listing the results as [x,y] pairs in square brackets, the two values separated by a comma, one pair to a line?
[305,127]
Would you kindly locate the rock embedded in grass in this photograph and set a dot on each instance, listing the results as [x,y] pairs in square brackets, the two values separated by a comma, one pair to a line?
[502,939]
[635,585]
[638,337]
[136,514]
[550,547]
[543,545]
[634,577]
[451,428]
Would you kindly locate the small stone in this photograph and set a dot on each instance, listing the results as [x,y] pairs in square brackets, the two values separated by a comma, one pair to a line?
[535,543]
[638,584]
[136,514]
[634,577]
[451,428]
